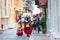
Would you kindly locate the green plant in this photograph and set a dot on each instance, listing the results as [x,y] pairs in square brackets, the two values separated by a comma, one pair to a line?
[43,21]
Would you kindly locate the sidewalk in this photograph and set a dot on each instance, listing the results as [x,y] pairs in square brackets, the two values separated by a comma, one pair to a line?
[10,26]
[39,37]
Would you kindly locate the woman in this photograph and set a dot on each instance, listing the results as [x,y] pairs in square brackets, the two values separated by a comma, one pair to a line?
[27,26]
[34,23]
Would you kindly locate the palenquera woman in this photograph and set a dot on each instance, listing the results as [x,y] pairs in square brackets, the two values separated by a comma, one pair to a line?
[19,29]
[27,26]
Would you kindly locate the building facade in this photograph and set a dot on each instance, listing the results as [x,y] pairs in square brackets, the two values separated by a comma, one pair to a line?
[4,12]
[7,11]
[15,5]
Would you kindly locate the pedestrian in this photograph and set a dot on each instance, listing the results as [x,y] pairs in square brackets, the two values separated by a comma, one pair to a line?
[2,26]
[34,23]
[19,29]
[37,23]
[27,26]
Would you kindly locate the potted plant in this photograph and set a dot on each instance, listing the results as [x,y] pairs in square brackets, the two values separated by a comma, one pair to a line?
[43,23]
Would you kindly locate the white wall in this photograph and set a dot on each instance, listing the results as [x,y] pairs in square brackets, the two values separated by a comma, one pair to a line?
[53,21]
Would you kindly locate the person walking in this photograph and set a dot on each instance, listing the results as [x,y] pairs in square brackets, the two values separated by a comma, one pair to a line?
[37,23]
[33,23]
[27,26]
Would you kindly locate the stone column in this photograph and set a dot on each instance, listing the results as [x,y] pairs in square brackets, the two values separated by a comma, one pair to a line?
[3,7]
[52,16]
[7,11]
[3,12]
[0,13]
[55,6]
[7,7]
[48,16]
[57,19]
[58,9]
[54,19]
[13,15]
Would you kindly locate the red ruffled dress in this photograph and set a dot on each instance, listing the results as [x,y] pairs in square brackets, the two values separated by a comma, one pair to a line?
[28,30]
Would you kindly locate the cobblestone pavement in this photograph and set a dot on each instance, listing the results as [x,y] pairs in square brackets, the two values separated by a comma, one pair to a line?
[11,35]
[39,37]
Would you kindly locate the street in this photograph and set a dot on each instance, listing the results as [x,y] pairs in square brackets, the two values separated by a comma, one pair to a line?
[10,34]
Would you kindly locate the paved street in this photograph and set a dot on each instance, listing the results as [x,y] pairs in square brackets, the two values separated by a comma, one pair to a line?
[11,35]
[40,37]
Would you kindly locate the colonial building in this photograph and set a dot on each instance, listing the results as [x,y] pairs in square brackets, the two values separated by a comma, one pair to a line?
[7,11]
[15,5]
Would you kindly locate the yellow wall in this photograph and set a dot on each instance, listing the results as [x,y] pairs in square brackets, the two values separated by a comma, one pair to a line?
[19,4]
[15,4]
[12,18]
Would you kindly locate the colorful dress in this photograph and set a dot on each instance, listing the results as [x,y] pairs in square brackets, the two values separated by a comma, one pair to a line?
[28,29]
